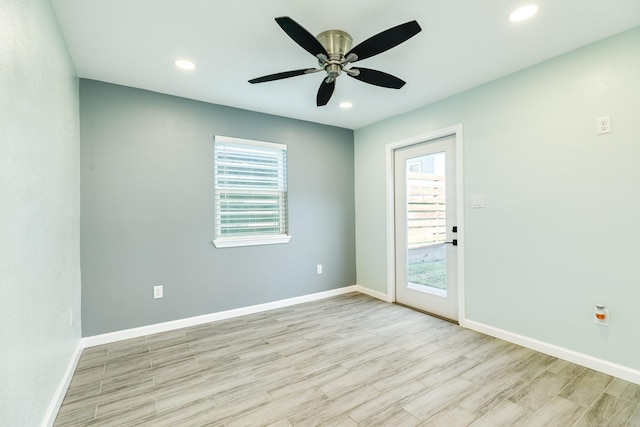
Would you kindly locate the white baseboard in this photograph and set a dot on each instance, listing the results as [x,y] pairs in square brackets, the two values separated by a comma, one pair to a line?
[207,318]
[61,391]
[609,368]
[372,293]
[600,365]
[604,366]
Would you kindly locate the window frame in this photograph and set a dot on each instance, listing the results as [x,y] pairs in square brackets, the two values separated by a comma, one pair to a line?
[221,241]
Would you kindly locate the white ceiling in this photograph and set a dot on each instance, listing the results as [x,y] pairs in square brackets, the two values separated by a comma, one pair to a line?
[464,43]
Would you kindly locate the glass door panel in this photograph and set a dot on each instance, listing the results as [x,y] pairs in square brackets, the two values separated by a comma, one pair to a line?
[426,223]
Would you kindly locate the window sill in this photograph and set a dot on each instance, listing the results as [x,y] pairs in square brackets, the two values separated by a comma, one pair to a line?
[232,242]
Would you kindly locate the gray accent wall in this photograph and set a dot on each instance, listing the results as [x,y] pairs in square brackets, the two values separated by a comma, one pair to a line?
[148,210]
[559,229]
[39,212]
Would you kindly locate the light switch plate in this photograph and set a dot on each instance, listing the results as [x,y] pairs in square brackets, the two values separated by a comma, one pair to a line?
[477,201]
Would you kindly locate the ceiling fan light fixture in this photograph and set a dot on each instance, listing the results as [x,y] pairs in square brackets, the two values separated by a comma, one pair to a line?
[185,64]
[523,13]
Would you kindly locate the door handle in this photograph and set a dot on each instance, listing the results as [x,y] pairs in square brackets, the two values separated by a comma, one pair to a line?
[454,242]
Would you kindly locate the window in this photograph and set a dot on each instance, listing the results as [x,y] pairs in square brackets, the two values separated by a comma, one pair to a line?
[414,167]
[250,192]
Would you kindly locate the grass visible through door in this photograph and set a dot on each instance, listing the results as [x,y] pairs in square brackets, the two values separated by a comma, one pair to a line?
[431,273]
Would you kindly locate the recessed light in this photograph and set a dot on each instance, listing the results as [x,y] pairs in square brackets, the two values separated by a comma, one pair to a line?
[346,105]
[185,64]
[523,13]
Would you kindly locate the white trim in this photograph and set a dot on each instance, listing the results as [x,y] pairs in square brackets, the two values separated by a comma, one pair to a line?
[456,131]
[609,368]
[61,391]
[232,242]
[372,293]
[600,365]
[207,318]
[460,219]
[242,141]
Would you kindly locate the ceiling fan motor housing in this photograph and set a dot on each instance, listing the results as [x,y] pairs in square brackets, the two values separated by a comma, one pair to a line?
[336,43]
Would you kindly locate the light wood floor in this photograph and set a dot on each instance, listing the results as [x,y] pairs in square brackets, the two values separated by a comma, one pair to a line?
[344,361]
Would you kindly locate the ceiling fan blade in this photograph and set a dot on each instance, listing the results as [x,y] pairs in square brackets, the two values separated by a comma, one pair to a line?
[377,78]
[283,75]
[325,92]
[301,36]
[385,40]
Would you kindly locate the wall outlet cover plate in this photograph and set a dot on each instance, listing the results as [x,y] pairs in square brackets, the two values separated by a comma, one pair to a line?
[157,292]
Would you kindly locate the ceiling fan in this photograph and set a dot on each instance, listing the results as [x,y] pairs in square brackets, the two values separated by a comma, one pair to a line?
[333,50]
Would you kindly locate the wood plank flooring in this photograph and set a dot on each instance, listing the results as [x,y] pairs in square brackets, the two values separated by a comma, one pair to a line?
[344,361]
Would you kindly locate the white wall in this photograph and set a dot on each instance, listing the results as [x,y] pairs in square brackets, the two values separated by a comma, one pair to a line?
[39,211]
[560,228]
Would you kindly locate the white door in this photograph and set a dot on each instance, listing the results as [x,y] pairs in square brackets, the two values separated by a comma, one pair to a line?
[426,227]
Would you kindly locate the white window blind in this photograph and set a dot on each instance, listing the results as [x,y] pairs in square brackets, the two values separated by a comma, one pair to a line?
[250,192]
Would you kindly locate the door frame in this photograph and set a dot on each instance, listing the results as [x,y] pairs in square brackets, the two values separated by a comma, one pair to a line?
[454,131]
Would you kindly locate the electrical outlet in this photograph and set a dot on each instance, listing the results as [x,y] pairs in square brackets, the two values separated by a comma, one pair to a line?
[601,316]
[604,125]
[319,269]
[158,292]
